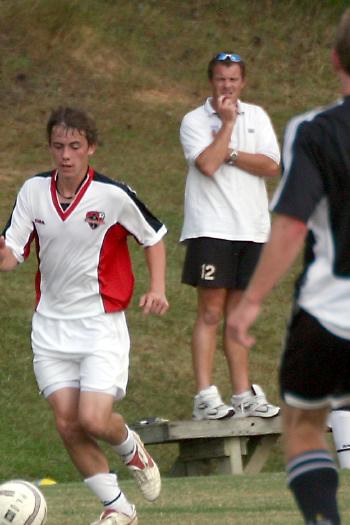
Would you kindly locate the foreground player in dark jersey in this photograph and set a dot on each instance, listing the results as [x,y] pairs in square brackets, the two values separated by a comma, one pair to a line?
[312,204]
[80,221]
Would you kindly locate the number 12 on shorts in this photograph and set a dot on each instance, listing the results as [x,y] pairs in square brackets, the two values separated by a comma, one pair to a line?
[208,272]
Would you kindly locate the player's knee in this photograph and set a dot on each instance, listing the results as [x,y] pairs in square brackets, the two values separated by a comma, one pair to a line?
[67,428]
[92,424]
[304,429]
[211,316]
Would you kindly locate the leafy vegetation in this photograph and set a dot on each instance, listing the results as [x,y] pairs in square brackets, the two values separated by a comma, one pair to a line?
[138,67]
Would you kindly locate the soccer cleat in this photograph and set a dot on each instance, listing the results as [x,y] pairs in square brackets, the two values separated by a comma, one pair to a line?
[254,405]
[209,405]
[113,517]
[145,471]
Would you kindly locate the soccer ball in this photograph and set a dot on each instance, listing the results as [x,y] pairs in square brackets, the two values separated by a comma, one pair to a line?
[21,503]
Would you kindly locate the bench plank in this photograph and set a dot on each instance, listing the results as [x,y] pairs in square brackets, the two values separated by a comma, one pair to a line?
[170,431]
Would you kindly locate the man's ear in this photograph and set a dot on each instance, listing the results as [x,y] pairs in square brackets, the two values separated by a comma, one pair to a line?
[91,149]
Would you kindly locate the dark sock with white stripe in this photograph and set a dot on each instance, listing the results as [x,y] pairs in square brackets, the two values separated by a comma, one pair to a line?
[313,479]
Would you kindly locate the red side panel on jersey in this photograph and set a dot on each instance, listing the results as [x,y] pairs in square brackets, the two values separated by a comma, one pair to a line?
[26,253]
[115,274]
[26,250]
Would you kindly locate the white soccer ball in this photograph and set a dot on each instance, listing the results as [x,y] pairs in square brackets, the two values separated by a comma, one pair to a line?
[21,503]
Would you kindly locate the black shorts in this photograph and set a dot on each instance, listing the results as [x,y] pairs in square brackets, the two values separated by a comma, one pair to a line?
[315,365]
[218,263]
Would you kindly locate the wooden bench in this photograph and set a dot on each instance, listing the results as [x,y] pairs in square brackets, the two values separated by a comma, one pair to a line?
[231,446]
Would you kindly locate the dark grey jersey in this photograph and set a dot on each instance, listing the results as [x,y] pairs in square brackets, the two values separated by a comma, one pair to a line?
[315,189]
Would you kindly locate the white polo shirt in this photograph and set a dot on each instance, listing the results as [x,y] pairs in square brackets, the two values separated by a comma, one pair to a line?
[232,204]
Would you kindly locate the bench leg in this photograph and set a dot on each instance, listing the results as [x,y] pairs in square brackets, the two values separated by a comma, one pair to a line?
[208,456]
[233,450]
[257,459]
[199,457]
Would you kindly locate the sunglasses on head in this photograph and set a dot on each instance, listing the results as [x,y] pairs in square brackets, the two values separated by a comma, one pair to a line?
[228,56]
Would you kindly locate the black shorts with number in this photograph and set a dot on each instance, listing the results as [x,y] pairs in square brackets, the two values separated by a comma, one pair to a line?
[315,365]
[219,263]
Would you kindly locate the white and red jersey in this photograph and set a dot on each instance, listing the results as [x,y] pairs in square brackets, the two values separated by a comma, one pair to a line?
[84,267]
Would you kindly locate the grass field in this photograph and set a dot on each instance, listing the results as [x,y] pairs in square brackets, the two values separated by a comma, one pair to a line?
[215,500]
[138,67]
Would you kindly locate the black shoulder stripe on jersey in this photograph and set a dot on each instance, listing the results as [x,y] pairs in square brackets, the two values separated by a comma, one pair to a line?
[155,223]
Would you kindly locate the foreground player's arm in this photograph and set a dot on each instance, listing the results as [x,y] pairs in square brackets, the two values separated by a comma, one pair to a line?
[286,241]
[155,301]
[7,260]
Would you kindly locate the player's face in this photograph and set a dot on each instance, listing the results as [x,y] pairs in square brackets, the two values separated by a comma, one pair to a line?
[227,81]
[70,151]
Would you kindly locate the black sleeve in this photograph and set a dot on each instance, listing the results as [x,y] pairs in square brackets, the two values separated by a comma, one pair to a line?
[301,187]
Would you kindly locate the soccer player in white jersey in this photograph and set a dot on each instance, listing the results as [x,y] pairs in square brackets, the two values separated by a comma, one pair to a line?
[312,206]
[80,221]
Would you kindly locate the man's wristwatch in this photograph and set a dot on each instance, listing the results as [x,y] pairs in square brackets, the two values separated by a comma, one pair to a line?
[233,157]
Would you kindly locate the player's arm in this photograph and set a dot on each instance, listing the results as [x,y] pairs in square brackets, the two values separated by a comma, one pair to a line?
[7,260]
[155,301]
[217,152]
[285,243]
[264,160]
[257,164]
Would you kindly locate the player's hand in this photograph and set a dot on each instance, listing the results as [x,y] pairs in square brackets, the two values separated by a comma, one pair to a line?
[7,260]
[227,109]
[154,303]
[240,320]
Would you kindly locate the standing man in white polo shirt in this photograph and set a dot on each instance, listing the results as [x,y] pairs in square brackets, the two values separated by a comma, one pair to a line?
[230,147]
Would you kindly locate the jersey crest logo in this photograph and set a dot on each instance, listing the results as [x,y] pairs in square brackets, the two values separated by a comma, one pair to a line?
[95,219]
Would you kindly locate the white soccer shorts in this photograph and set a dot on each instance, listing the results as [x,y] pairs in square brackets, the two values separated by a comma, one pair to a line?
[90,353]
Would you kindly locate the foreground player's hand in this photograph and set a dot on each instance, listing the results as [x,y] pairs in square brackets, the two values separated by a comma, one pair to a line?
[240,320]
[154,303]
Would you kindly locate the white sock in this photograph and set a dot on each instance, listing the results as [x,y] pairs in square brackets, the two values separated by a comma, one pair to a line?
[205,391]
[126,450]
[242,395]
[106,488]
[340,421]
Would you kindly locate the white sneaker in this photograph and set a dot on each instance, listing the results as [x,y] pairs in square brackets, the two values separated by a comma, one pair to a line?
[145,471]
[209,405]
[113,517]
[255,404]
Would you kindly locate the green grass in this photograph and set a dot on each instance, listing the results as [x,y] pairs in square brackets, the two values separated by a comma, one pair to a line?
[230,500]
[138,67]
